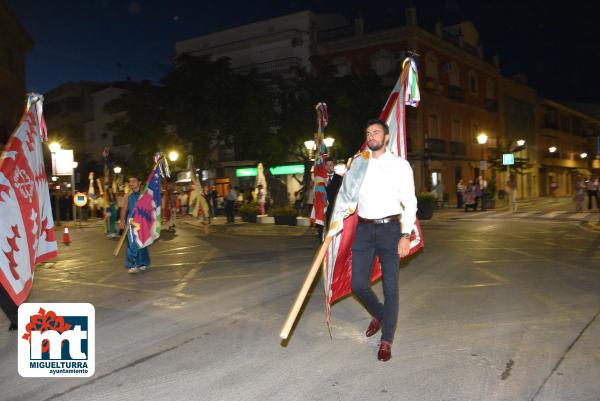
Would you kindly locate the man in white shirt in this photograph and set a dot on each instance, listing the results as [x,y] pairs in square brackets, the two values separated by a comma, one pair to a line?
[387,209]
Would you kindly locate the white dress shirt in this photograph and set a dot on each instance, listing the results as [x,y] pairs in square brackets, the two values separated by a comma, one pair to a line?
[388,189]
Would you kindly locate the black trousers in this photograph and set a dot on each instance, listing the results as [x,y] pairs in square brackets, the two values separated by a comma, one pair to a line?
[374,240]
[230,211]
[592,195]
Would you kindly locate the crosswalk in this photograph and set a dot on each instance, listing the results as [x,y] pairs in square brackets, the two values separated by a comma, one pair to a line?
[537,215]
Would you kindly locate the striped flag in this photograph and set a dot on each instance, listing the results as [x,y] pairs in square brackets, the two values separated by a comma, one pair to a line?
[338,262]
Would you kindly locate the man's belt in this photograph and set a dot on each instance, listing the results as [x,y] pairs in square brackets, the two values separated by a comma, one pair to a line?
[385,220]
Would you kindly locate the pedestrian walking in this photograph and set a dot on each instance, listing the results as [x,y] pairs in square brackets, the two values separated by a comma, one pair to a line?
[480,187]
[214,195]
[460,192]
[387,208]
[580,188]
[592,190]
[136,259]
[230,200]
[553,188]
[470,199]
[111,215]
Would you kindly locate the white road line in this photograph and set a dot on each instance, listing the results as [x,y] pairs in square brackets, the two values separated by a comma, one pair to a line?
[552,215]
[578,216]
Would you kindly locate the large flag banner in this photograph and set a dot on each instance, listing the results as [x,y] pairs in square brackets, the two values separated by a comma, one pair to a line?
[318,212]
[26,224]
[146,217]
[338,260]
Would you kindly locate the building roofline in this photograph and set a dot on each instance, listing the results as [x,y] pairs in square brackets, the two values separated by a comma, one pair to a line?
[562,107]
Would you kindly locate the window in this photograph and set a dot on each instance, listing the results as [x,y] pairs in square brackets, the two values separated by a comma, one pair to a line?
[343,66]
[383,63]
[475,130]
[565,123]
[490,89]
[453,73]
[473,87]
[431,66]
[456,130]
[434,126]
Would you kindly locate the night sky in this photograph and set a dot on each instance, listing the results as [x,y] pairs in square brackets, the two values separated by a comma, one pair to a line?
[557,47]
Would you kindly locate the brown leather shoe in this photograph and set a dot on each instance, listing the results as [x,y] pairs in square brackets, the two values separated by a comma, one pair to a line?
[385,351]
[373,328]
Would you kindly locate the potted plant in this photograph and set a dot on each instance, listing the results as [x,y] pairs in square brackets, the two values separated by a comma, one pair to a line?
[425,205]
[249,211]
[284,215]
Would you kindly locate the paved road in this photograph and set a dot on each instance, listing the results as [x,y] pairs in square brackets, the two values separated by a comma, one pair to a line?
[492,310]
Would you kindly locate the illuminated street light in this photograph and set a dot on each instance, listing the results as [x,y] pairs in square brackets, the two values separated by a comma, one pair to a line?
[117,170]
[520,142]
[328,141]
[54,147]
[552,149]
[54,178]
[482,139]
[173,156]
[583,155]
[310,145]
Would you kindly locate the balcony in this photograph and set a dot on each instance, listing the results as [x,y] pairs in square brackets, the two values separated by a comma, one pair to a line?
[435,145]
[272,67]
[491,104]
[456,93]
[458,149]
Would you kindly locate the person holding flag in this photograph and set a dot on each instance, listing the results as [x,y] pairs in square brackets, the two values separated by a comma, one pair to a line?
[137,259]
[387,208]
[373,223]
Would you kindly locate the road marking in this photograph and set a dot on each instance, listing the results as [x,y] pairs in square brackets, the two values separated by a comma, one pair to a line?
[552,215]
[581,216]
[190,275]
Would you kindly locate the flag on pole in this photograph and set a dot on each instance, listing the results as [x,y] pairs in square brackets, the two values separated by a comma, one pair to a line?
[338,260]
[318,212]
[26,224]
[145,227]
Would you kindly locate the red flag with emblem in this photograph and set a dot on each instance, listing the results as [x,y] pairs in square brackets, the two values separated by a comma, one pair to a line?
[26,224]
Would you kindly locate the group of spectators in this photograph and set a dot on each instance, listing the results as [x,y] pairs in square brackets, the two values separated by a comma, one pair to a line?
[472,194]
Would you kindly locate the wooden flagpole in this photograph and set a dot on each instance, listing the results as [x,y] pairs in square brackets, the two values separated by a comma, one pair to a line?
[312,273]
[122,240]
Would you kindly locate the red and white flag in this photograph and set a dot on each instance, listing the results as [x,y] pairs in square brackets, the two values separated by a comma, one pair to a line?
[26,224]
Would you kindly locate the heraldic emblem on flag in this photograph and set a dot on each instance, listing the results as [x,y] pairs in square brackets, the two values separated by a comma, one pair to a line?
[146,220]
[26,224]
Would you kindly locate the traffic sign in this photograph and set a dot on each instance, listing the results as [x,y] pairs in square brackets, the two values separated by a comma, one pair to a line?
[80,199]
[508,159]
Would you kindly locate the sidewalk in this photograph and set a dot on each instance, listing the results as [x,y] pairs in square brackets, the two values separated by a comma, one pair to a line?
[544,208]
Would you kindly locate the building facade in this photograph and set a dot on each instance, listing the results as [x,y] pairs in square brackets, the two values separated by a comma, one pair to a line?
[15,43]
[272,46]
[459,95]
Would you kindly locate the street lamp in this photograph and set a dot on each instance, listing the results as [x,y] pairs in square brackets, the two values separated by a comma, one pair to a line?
[117,170]
[54,178]
[520,142]
[310,145]
[173,156]
[328,141]
[552,149]
[583,155]
[54,147]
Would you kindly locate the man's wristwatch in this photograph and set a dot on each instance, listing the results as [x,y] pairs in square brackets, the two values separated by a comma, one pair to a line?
[405,235]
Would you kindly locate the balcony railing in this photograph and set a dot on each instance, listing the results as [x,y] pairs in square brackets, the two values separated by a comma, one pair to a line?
[458,149]
[435,145]
[456,93]
[274,66]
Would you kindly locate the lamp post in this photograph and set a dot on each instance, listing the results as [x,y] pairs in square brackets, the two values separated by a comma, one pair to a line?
[328,141]
[482,139]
